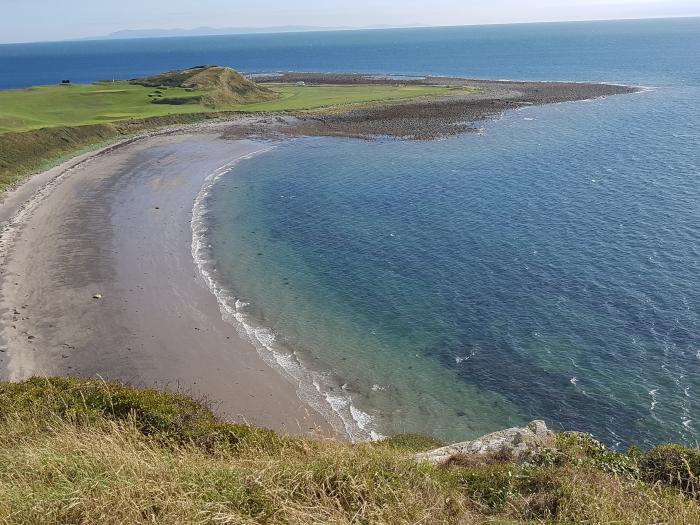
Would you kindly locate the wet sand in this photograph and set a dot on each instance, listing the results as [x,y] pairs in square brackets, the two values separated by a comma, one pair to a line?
[119,226]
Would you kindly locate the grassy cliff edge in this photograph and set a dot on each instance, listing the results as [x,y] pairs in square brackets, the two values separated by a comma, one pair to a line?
[25,153]
[75,451]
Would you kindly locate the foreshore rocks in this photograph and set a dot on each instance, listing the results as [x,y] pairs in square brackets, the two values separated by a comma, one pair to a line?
[424,118]
[518,444]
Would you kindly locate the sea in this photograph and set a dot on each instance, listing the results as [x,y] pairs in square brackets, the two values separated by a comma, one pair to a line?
[544,267]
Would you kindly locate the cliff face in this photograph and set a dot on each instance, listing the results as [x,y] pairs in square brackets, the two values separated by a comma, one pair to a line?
[74,451]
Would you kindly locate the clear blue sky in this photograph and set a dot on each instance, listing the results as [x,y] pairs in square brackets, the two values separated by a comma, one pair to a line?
[32,20]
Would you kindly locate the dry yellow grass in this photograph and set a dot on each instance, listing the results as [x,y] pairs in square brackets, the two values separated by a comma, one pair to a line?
[88,452]
[86,475]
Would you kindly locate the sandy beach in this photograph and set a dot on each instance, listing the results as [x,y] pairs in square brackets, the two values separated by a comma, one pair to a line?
[97,277]
[118,226]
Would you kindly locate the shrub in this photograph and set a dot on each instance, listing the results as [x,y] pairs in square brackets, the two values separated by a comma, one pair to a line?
[532,492]
[673,465]
[576,448]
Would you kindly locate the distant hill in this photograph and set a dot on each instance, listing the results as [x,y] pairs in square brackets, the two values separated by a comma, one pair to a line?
[223,85]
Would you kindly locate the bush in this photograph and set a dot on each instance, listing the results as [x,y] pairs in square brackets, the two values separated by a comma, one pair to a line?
[576,448]
[533,492]
[673,465]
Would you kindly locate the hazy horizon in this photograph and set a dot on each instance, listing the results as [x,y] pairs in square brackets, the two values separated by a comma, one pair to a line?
[81,19]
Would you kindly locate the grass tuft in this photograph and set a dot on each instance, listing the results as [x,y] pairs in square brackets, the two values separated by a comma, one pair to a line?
[412,442]
[167,418]
[673,465]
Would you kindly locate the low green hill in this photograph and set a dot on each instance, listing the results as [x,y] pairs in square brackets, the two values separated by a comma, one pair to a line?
[74,451]
[223,86]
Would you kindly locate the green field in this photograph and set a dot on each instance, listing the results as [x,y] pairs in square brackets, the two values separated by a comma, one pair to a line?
[79,105]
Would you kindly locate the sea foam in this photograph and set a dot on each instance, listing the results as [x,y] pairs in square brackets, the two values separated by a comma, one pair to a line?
[315,388]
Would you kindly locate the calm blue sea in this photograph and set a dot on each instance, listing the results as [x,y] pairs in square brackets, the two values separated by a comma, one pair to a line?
[547,267]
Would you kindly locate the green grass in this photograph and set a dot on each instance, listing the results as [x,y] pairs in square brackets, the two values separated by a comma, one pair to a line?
[80,105]
[42,125]
[74,451]
[294,98]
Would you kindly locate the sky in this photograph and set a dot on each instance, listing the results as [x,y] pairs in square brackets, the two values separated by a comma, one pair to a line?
[41,20]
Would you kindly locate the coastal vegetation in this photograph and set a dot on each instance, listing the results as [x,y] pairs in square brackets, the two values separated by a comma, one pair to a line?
[43,125]
[74,451]
[80,105]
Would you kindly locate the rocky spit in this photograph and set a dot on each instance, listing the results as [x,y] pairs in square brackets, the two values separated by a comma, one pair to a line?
[423,118]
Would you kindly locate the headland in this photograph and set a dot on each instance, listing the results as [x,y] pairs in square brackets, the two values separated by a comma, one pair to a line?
[98,278]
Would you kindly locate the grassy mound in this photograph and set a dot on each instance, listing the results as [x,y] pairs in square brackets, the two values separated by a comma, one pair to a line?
[75,451]
[222,86]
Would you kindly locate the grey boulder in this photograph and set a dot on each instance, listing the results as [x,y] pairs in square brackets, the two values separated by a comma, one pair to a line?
[517,443]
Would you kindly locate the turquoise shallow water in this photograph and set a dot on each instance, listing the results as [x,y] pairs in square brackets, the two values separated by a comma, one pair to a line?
[548,267]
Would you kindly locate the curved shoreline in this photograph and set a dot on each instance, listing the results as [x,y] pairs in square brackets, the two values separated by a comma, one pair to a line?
[120,228]
[338,409]
[98,276]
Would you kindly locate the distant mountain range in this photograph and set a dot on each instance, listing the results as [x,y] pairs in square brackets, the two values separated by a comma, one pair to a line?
[213,31]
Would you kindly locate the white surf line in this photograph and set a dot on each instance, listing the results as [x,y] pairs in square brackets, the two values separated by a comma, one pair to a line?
[333,404]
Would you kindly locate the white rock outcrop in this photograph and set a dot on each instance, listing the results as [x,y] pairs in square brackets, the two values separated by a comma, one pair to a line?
[518,443]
